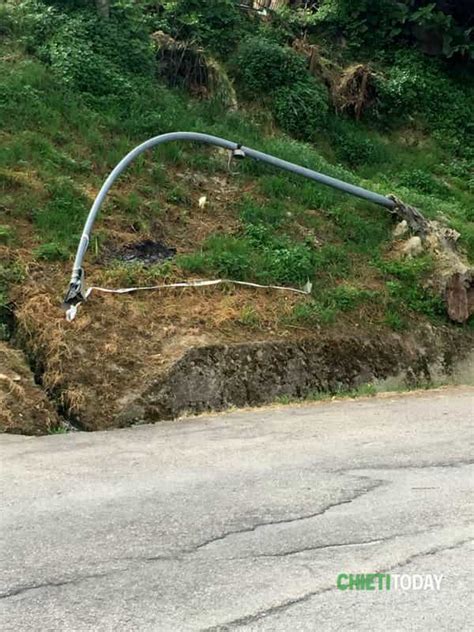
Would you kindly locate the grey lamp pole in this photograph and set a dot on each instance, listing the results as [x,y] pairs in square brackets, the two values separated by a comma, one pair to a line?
[75,293]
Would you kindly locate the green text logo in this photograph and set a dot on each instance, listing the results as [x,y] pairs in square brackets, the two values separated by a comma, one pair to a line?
[388,581]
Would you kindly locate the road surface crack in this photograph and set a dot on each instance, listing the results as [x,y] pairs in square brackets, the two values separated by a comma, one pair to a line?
[434,551]
[335,545]
[176,555]
[321,547]
[18,590]
[424,466]
[259,525]
[289,603]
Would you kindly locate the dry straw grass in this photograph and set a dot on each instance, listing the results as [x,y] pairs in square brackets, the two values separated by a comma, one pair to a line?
[23,406]
[10,388]
[117,344]
[355,90]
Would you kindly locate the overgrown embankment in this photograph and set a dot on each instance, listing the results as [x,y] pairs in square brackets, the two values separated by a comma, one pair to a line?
[77,93]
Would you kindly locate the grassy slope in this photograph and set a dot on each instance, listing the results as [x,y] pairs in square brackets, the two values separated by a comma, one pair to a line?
[56,148]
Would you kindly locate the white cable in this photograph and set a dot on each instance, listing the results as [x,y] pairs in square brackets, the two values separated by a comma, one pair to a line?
[72,311]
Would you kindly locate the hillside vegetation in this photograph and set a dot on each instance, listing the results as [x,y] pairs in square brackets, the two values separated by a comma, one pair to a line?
[377,97]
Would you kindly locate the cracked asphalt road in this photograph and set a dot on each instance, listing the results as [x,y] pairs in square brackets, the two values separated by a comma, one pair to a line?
[243,521]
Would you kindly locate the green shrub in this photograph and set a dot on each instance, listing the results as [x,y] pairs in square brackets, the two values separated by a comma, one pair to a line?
[422,181]
[361,22]
[7,22]
[75,62]
[407,287]
[302,108]
[416,87]
[289,22]
[290,264]
[216,25]
[354,146]
[443,27]
[37,23]
[96,56]
[262,66]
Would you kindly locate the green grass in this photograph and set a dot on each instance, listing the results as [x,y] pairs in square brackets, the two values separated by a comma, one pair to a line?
[249,318]
[328,303]
[59,430]
[364,390]
[370,389]
[58,146]
[51,252]
[6,234]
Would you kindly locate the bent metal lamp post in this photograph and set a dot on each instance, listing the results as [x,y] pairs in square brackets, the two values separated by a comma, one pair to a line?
[76,290]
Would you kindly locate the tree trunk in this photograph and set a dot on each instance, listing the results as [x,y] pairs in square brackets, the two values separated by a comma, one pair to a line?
[103,8]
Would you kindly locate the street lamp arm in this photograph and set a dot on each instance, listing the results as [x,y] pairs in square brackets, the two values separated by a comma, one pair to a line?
[75,292]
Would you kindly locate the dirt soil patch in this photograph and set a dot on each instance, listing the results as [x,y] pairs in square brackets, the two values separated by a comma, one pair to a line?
[24,407]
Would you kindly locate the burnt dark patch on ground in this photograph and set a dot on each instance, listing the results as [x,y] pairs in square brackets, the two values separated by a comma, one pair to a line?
[146,251]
